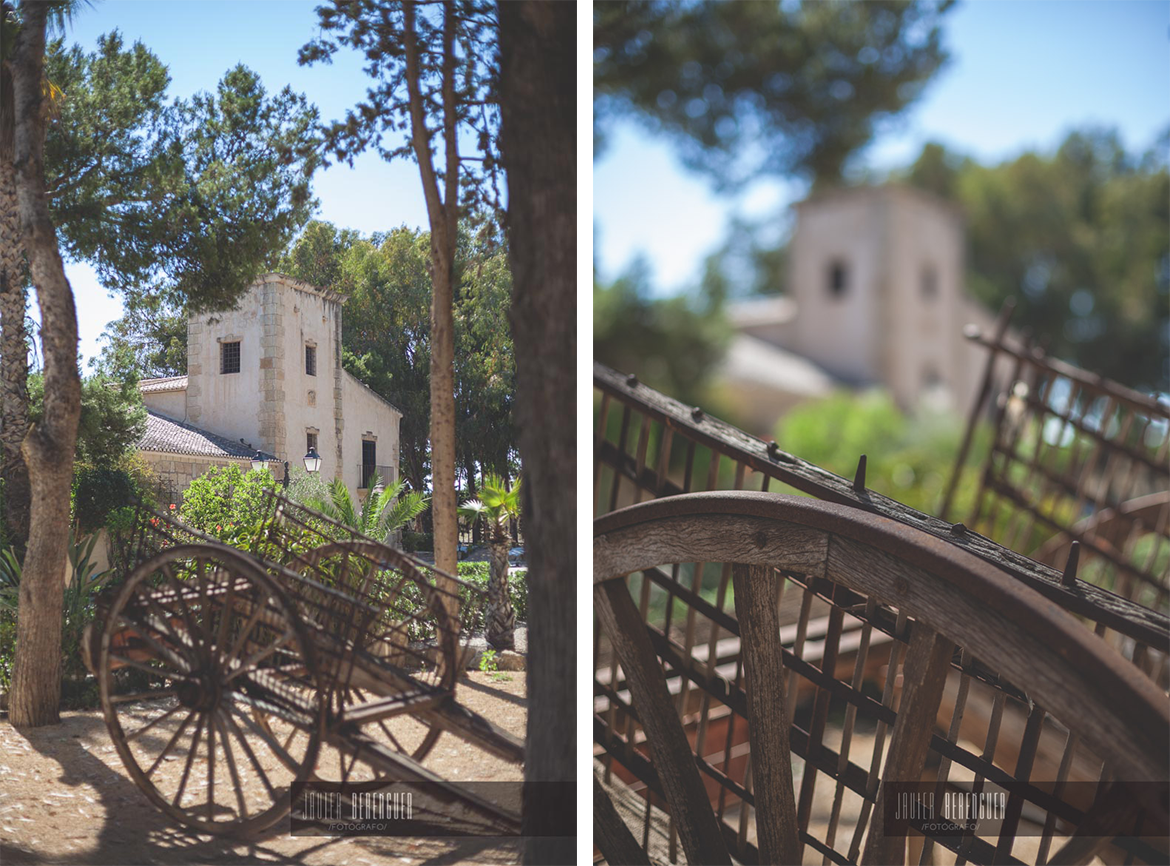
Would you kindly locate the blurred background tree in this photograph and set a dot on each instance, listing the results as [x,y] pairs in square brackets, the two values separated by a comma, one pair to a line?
[1080,237]
[750,88]
[907,459]
[670,343]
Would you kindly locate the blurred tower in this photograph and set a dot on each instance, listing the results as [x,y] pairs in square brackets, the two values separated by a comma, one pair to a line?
[876,277]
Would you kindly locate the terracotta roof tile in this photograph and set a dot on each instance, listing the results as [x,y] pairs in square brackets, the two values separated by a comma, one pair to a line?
[175,437]
[171,383]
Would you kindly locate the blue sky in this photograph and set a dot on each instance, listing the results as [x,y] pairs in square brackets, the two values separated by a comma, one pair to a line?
[199,41]
[1021,75]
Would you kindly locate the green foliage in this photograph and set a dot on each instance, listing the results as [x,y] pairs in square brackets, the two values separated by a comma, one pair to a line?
[472,606]
[380,31]
[381,512]
[670,343]
[181,200]
[908,459]
[386,332]
[113,417]
[98,492]
[226,503]
[472,600]
[1081,238]
[149,340]
[77,612]
[415,541]
[497,504]
[487,661]
[746,88]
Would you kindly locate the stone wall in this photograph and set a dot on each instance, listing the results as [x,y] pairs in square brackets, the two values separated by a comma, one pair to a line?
[176,471]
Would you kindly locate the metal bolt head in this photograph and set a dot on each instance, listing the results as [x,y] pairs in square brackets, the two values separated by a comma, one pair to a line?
[697,414]
[958,530]
[631,380]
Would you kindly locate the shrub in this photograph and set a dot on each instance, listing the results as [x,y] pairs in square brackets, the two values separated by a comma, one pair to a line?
[472,603]
[415,541]
[227,504]
[78,611]
[97,492]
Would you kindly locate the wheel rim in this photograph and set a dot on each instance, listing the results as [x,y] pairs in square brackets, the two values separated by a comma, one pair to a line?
[203,633]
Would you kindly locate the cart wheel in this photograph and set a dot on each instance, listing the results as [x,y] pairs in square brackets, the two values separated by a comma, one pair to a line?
[198,633]
[385,579]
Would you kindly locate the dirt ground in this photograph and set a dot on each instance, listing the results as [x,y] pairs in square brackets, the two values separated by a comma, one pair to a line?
[65,798]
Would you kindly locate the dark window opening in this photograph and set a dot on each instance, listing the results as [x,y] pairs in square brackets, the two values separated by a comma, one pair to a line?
[929,282]
[369,461]
[311,360]
[838,278]
[311,442]
[229,357]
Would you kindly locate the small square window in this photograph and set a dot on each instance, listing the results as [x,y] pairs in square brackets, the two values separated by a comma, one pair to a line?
[310,442]
[229,357]
[310,360]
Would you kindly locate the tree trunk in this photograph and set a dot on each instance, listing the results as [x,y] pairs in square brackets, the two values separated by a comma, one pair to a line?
[501,618]
[13,362]
[49,445]
[442,214]
[444,502]
[472,492]
[538,144]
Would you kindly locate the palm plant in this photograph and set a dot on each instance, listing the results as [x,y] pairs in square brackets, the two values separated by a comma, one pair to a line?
[384,510]
[496,505]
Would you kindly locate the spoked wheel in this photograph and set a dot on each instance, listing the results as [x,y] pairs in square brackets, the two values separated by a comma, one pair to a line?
[198,633]
[385,580]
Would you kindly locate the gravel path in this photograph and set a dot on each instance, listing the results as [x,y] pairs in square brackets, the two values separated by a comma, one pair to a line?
[66,799]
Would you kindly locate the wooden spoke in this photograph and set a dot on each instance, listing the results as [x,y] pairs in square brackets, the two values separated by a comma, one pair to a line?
[246,631]
[170,744]
[210,768]
[247,749]
[673,758]
[230,758]
[225,619]
[178,801]
[756,596]
[253,660]
[193,633]
[195,626]
[138,733]
[268,738]
[163,653]
[143,696]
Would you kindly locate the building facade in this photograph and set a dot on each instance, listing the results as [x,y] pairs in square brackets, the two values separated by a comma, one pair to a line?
[268,376]
[875,298]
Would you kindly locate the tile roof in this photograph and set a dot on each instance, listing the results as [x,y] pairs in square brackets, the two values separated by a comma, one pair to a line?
[175,437]
[171,383]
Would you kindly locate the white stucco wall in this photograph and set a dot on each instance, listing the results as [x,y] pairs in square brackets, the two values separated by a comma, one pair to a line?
[837,333]
[368,417]
[173,404]
[273,403]
[226,403]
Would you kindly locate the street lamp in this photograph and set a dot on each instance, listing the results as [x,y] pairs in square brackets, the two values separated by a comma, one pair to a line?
[312,461]
[258,462]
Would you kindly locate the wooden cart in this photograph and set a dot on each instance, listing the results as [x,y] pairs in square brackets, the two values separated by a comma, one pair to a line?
[229,677]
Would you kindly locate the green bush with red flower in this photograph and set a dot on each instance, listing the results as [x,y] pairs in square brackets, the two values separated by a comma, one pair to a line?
[227,503]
